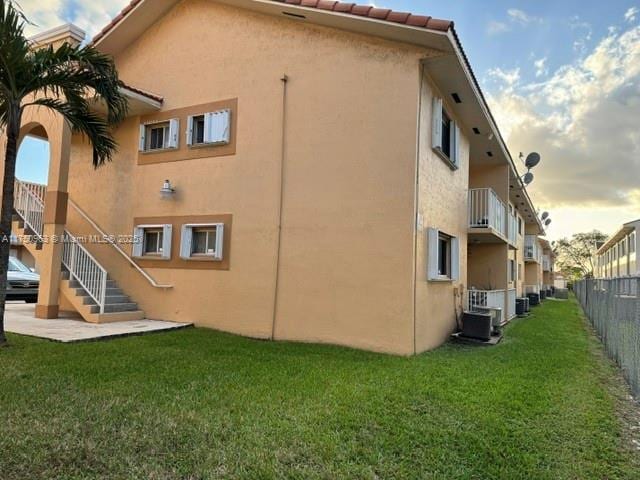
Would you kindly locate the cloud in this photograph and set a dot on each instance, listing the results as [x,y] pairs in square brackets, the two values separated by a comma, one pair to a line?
[631,14]
[507,79]
[494,27]
[541,67]
[583,120]
[90,16]
[522,17]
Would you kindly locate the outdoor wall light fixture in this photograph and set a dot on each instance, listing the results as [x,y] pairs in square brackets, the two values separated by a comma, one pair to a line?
[167,191]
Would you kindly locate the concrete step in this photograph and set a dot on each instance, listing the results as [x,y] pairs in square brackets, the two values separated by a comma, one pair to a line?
[116,307]
[87,300]
[111,285]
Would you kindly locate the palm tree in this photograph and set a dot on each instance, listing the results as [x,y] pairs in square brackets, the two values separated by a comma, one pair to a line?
[67,80]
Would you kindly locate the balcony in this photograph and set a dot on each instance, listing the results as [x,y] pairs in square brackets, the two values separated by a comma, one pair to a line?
[532,251]
[487,216]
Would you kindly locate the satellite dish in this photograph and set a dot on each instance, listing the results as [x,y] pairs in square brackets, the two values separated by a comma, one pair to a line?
[528,178]
[547,222]
[532,160]
[545,215]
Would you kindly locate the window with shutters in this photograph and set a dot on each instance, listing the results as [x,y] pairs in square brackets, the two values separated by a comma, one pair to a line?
[159,136]
[443,256]
[202,241]
[152,241]
[209,129]
[445,134]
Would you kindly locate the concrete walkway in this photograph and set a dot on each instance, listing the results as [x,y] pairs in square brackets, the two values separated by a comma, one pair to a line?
[20,318]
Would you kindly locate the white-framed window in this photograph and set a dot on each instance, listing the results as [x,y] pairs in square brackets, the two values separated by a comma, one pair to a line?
[159,135]
[513,266]
[152,241]
[632,242]
[443,256]
[211,128]
[445,134]
[202,241]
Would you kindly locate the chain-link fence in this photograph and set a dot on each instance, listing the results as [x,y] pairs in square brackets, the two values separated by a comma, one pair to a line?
[613,307]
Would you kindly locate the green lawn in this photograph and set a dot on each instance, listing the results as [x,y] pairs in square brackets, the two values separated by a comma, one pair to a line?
[202,404]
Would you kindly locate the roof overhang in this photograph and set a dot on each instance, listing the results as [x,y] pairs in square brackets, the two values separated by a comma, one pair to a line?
[140,103]
[626,229]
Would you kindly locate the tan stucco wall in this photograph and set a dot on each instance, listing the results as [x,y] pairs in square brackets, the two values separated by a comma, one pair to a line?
[346,263]
[487,264]
[441,204]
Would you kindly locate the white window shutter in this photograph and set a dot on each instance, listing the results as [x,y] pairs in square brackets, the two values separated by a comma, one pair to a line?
[142,141]
[455,144]
[209,120]
[217,127]
[138,240]
[174,126]
[432,254]
[166,241]
[225,126]
[436,123]
[190,130]
[186,239]
[219,241]
[455,259]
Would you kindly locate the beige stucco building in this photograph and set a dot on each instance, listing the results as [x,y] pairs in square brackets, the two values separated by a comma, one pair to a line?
[617,256]
[335,175]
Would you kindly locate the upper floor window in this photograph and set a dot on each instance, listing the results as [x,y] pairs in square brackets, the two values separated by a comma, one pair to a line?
[445,135]
[632,243]
[212,128]
[159,135]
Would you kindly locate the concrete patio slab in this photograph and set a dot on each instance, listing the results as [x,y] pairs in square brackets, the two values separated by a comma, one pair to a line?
[20,318]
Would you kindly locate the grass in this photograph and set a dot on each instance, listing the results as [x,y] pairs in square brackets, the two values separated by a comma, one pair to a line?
[202,404]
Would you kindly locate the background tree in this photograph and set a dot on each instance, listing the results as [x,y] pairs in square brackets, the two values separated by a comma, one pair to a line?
[575,257]
[68,80]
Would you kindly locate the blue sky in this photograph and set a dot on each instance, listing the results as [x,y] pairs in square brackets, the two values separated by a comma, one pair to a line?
[562,77]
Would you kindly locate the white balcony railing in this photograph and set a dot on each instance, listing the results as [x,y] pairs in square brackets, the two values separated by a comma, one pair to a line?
[532,250]
[511,303]
[532,289]
[512,229]
[486,210]
[487,298]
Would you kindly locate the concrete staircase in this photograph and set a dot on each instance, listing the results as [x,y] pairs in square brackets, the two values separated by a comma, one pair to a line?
[118,306]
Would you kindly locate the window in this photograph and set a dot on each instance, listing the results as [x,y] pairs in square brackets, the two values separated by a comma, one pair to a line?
[202,241]
[623,248]
[512,270]
[197,128]
[520,270]
[632,243]
[152,241]
[520,225]
[212,128]
[443,256]
[159,135]
[445,135]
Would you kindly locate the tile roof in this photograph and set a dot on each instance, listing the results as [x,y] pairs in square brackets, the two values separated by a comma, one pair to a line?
[375,13]
[144,93]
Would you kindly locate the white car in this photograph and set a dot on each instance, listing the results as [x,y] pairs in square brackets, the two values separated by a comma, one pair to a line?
[22,283]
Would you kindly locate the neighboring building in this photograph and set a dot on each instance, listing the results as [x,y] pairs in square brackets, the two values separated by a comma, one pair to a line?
[617,257]
[338,178]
